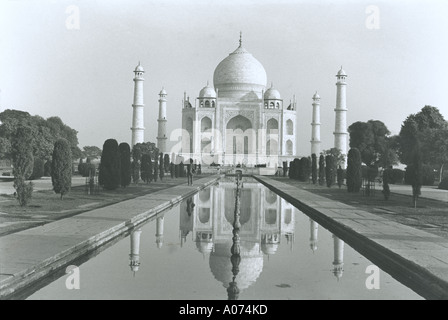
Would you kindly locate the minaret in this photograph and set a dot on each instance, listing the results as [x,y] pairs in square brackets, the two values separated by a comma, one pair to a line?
[338,263]
[314,228]
[134,256]
[340,129]
[138,130]
[159,232]
[315,126]
[161,133]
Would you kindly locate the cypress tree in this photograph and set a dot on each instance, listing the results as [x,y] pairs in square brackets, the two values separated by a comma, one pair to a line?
[110,166]
[155,169]
[23,162]
[329,170]
[125,159]
[135,171]
[161,167]
[146,168]
[166,161]
[314,168]
[305,168]
[61,167]
[321,170]
[354,171]
[416,171]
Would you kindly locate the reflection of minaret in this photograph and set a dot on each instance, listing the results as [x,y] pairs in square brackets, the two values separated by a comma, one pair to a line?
[314,227]
[159,232]
[338,262]
[134,256]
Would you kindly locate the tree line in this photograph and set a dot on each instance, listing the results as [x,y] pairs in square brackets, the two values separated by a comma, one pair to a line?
[422,145]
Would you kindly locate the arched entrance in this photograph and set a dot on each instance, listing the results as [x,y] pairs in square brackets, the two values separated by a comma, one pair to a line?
[240,140]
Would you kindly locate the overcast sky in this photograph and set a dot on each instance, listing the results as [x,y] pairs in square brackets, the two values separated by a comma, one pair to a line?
[395,64]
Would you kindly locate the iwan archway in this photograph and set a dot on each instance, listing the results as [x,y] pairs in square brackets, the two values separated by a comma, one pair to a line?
[240,141]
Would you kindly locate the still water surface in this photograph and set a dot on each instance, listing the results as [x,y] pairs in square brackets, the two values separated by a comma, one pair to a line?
[185,254]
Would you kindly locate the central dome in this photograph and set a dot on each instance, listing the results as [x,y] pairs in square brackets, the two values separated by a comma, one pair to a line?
[239,74]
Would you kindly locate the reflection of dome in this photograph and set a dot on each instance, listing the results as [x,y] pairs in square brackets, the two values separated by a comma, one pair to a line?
[207,92]
[272,94]
[269,248]
[250,266]
[240,71]
[204,247]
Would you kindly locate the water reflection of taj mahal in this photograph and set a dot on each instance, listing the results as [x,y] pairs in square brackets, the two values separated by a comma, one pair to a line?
[266,221]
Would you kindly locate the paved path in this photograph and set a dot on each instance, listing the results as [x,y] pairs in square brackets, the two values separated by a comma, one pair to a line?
[28,256]
[414,257]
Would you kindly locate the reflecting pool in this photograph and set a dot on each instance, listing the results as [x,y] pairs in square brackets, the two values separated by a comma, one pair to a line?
[201,249]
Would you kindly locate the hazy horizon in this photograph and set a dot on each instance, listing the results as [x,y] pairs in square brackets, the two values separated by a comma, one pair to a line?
[84,76]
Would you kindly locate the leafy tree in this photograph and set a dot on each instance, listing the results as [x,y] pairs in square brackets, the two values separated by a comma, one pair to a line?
[23,161]
[45,132]
[91,152]
[145,148]
[314,168]
[432,133]
[372,140]
[125,160]
[336,154]
[354,174]
[321,170]
[110,166]
[61,167]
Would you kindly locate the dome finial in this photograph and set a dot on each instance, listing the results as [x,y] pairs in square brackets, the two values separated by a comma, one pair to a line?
[241,38]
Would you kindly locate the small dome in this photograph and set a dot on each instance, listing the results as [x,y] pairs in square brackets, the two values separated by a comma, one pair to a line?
[139,68]
[316,96]
[272,94]
[269,248]
[204,247]
[163,91]
[207,92]
[341,72]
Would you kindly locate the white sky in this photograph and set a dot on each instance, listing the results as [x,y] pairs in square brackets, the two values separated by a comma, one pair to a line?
[85,76]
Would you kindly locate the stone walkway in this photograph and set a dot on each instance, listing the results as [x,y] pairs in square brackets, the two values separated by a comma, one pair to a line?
[414,257]
[28,256]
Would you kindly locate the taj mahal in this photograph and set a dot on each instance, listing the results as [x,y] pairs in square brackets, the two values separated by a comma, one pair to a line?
[239,120]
